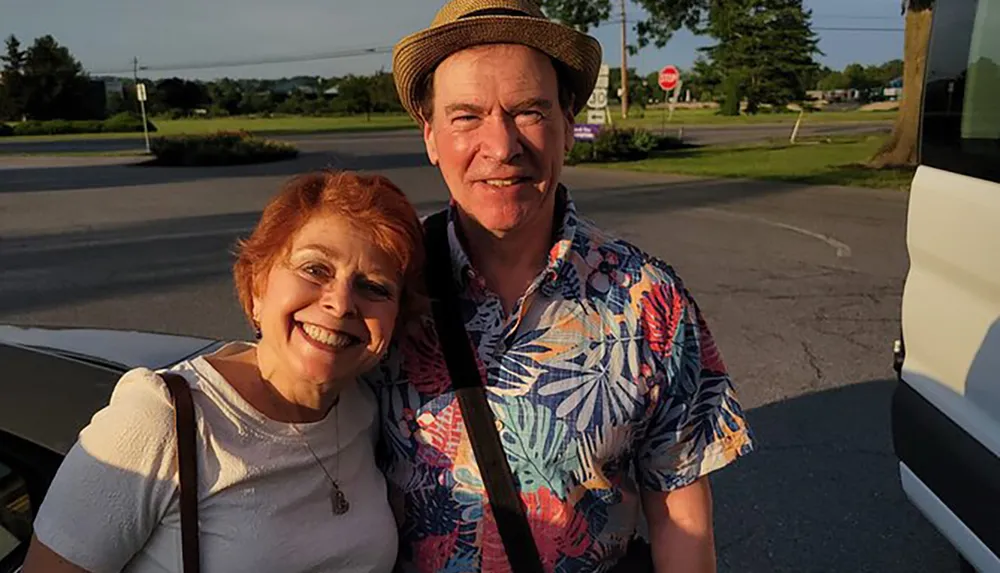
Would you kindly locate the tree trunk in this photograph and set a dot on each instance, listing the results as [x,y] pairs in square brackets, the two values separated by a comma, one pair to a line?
[901,149]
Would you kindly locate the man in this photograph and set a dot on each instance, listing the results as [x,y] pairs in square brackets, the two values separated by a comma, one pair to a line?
[609,395]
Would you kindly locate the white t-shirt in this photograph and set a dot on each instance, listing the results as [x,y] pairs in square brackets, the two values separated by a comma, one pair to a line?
[263,501]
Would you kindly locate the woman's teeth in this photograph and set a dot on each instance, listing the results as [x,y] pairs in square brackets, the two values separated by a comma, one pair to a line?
[328,337]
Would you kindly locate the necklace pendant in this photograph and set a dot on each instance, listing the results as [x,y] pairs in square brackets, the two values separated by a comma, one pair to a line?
[339,501]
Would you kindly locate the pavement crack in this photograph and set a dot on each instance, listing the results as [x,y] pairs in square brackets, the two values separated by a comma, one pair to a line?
[813,360]
[738,540]
[889,320]
[830,447]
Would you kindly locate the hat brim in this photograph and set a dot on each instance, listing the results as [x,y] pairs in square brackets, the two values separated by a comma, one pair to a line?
[418,54]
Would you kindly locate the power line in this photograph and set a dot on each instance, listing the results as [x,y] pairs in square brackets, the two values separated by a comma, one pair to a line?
[354,52]
[853,17]
[856,29]
[824,28]
[346,53]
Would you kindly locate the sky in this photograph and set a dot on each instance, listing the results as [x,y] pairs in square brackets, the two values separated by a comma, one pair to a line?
[187,35]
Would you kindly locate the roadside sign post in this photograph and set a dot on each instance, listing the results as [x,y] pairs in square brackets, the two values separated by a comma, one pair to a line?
[798,122]
[597,107]
[670,81]
[140,93]
[673,99]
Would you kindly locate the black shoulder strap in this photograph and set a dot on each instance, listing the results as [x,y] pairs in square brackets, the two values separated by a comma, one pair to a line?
[187,464]
[512,523]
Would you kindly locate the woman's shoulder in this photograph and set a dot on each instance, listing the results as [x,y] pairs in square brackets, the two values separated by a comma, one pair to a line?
[143,391]
[138,419]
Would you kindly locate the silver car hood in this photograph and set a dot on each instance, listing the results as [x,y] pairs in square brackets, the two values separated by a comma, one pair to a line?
[125,349]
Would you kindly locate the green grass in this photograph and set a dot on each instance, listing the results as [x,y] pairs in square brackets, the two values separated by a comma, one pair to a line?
[290,124]
[656,118]
[120,153]
[836,161]
[271,125]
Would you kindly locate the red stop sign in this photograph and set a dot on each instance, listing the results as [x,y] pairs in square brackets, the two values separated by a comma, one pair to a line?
[669,76]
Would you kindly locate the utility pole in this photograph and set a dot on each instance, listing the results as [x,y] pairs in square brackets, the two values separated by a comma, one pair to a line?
[624,74]
[140,94]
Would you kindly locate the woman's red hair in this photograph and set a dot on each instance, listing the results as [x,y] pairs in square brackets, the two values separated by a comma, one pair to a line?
[371,202]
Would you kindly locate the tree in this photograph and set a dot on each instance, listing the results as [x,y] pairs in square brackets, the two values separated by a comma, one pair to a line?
[834,81]
[813,79]
[663,17]
[864,79]
[175,94]
[257,102]
[766,46]
[652,89]
[356,94]
[901,148]
[885,73]
[225,95]
[732,94]
[636,91]
[705,80]
[54,84]
[116,103]
[12,84]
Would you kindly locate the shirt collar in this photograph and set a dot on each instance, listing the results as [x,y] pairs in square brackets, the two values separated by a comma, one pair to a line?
[564,232]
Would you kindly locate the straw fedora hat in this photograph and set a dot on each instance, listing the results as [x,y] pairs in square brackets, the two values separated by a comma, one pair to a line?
[462,24]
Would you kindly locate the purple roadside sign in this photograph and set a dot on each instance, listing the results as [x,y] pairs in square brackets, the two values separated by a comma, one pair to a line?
[585,131]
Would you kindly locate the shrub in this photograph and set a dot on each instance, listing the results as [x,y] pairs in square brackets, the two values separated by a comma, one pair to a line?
[582,152]
[175,113]
[52,127]
[5,130]
[221,148]
[731,95]
[121,123]
[126,123]
[614,144]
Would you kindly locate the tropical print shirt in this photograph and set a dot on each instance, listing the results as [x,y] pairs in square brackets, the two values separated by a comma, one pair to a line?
[604,380]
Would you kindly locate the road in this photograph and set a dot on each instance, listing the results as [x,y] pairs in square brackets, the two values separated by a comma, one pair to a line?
[699,134]
[801,286]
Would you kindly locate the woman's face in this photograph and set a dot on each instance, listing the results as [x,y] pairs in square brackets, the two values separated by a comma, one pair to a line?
[327,309]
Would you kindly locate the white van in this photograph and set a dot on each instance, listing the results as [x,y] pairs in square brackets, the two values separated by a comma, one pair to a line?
[946,409]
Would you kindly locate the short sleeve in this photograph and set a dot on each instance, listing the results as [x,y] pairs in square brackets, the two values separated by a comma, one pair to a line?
[695,423]
[117,482]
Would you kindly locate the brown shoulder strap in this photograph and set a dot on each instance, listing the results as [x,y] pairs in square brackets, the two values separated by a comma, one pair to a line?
[187,463]
[504,498]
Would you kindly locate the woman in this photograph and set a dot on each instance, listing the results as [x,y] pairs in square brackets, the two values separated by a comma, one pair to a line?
[287,480]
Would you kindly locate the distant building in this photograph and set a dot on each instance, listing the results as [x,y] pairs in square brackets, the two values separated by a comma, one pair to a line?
[113,85]
[894,90]
[287,87]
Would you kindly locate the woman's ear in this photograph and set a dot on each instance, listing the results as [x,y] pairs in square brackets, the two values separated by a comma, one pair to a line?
[255,316]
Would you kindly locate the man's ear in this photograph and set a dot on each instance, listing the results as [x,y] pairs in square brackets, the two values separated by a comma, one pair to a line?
[429,144]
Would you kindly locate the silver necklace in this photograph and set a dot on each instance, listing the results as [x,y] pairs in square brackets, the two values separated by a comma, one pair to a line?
[338,501]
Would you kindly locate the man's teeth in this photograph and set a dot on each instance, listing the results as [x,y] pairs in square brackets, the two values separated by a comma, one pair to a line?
[501,182]
[328,337]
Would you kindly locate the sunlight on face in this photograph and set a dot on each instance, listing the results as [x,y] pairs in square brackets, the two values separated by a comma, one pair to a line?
[328,309]
[498,134]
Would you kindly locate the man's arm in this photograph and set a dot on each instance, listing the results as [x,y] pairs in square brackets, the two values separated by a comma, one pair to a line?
[680,528]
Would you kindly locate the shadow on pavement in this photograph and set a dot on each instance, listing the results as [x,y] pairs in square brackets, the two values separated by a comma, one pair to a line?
[41,272]
[822,493]
[46,270]
[662,197]
[98,176]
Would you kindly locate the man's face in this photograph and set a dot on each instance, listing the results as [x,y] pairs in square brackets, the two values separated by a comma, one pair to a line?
[499,135]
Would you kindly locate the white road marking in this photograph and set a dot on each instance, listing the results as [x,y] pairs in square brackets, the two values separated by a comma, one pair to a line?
[843,249]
